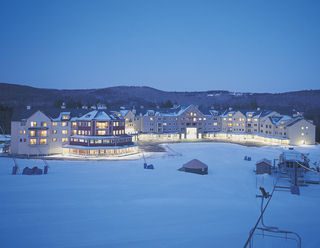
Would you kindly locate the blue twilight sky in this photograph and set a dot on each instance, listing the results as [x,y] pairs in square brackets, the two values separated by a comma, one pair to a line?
[256,46]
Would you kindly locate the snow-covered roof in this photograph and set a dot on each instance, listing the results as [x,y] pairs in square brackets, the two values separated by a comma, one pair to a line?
[266,161]
[195,164]
[293,156]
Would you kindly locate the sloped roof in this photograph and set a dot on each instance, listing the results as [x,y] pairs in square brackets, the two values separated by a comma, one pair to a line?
[53,113]
[195,164]
[266,161]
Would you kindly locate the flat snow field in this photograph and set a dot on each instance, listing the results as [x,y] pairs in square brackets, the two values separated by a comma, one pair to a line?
[120,204]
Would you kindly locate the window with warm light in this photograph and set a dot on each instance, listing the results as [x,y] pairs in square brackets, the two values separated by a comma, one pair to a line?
[54,123]
[33,141]
[64,131]
[32,133]
[101,125]
[33,123]
[44,124]
[101,132]
[74,124]
[215,124]
[54,139]
[43,133]
[64,123]
[65,117]
[43,141]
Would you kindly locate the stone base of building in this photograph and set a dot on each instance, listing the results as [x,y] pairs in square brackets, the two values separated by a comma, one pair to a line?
[105,151]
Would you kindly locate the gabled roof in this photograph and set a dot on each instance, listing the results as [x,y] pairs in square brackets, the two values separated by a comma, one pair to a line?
[20,114]
[195,164]
[266,161]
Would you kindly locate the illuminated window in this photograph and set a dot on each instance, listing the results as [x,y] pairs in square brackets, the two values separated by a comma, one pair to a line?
[281,127]
[64,131]
[33,141]
[54,139]
[32,133]
[194,119]
[65,117]
[43,133]
[43,141]
[224,119]
[54,123]
[230,119]
[151,118]
[98,141]
[74,132]
[24,131]
[89,124]
[91,141]
[215,124]
[64,139]
[101,125]
[54,131]
[44,124]
[249,119]
[282,122]
[302,134]
[250,115]
[191,113]
[20,131]
[74,124]
[229,124]
[166,123]
[101,132]
[302,128]
[255,119]
[114,132]
[204,119]
[64,123]
[33,124]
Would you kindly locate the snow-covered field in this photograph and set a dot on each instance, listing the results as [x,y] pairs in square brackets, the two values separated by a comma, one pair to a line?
[119,204]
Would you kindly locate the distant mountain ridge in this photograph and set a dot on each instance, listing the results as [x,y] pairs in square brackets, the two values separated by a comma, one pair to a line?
[14,95]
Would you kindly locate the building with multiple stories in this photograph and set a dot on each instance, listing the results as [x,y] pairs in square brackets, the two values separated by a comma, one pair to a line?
[70,132]
[83,133]
[263,126]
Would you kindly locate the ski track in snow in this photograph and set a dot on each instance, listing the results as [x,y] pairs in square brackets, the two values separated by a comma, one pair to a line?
[119,204]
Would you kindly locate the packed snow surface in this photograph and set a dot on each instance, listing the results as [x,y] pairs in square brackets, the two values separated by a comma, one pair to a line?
[119,204]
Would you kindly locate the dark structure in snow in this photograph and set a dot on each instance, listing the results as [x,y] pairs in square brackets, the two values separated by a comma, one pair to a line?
[263,166]
[195,166]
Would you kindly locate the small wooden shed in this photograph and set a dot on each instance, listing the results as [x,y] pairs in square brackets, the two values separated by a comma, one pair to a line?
[263,166]
[195,166]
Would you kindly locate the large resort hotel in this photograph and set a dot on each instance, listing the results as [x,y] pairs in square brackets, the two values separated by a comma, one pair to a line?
[81,132]
[91,134]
